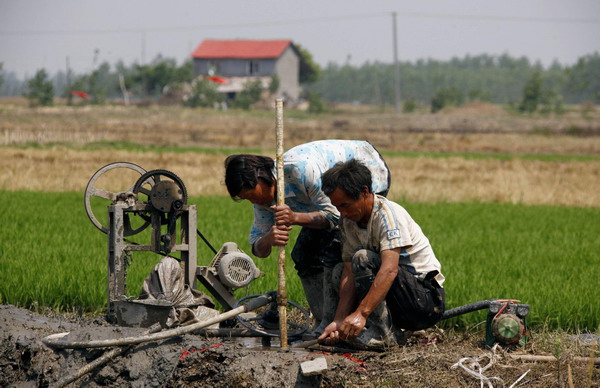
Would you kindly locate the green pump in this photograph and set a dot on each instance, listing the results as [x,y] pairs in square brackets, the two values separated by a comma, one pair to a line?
[506,323]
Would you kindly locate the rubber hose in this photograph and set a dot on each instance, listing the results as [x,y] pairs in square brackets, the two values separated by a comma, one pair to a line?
[483,304]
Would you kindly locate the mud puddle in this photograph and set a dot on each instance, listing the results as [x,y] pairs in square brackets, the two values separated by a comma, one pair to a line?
[195,361]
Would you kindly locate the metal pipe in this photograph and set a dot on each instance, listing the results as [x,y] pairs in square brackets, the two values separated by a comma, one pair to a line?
[231,332]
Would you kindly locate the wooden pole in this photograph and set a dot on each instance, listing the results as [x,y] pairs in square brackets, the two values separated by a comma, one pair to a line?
[281,292]
[535,358]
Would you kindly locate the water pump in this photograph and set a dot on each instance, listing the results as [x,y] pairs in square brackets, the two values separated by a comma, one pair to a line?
[506,323]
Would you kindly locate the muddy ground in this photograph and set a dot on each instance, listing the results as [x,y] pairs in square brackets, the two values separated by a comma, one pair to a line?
[194,361]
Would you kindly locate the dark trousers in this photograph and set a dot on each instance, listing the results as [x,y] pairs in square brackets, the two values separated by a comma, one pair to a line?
[414,302]
[314,249]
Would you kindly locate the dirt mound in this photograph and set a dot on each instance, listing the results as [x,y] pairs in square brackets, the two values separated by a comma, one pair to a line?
[195,361]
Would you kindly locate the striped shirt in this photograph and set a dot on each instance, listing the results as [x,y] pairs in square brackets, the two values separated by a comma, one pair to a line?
[303,167]
[389,227]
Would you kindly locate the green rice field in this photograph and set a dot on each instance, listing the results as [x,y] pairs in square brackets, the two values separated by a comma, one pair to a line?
[546,256]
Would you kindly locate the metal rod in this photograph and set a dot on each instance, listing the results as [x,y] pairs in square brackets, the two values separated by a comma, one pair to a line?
[206,241]
[281,292]
[306,344]
[230,332]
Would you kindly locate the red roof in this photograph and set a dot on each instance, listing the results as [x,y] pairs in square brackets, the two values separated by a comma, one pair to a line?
[242,49]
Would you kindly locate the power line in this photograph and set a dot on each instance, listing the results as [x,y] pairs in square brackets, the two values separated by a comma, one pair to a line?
[418,15]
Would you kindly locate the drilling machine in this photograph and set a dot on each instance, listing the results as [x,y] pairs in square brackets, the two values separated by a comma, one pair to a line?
[158,199]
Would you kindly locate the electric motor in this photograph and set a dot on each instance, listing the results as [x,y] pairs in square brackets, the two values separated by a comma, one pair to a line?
[508,329]
[236,269]
[506,323]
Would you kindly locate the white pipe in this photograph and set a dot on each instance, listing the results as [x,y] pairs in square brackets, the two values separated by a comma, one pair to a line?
[54,340]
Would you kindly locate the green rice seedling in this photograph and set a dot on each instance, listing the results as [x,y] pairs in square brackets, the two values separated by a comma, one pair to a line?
[545,256]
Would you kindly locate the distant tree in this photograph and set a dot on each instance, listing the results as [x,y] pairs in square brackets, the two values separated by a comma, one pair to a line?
[151,79]
[532,93]
[478,95]
[204,94]
[1,74]
[309,70]
[551,101]
[11,84]
[446,97]
[315,103]
[248,95]
[185,72]
[409,105]
[98,82]
[583,79]
[40,91]
[274,84]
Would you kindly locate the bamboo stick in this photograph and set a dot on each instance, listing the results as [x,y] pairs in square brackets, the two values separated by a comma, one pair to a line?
[534,357]
[281,291]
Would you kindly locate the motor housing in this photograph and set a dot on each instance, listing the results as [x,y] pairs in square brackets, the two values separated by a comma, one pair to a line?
[506,323]
[236,269]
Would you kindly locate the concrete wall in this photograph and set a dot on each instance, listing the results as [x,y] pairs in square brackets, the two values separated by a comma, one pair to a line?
[288,69]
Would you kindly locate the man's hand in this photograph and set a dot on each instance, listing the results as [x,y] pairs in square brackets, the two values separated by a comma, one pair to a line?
[284,215]
[331,334]
[352,325]
[279,235]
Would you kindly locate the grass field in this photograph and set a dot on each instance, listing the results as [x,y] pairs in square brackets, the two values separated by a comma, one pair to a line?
[547,256]
[511,203]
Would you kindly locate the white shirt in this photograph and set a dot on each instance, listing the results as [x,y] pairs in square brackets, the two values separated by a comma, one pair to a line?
[303,167]
[389,227]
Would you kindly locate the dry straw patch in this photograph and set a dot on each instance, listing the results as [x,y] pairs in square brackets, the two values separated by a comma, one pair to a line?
[511,181]
[425,179]
[476,128]
[61,170]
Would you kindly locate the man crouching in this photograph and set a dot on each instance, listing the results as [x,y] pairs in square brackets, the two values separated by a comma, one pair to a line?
[389,278]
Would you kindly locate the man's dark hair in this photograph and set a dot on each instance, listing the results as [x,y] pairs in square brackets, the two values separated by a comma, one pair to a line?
[242,172]
[351,176]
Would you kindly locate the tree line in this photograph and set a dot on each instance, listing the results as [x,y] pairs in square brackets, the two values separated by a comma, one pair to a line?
[498,79]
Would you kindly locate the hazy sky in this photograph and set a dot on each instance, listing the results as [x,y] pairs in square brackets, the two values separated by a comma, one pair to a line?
[38,34]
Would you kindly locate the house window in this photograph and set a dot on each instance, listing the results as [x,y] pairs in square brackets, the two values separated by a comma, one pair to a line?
[252,67]
[213,68]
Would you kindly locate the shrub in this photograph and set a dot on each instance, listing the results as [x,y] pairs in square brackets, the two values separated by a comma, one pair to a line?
[274,85]
[248,95]
[204,93]
[40,90]
[446,97]
[552,102]
[532,93]
[315,103]
[409,105]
